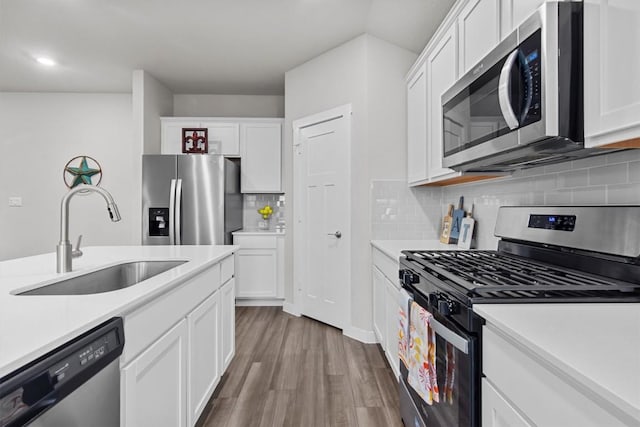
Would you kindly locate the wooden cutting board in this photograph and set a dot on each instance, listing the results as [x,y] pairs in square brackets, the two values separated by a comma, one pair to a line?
[445,236]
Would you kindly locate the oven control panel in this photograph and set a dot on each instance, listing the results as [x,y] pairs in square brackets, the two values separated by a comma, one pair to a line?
[553,222]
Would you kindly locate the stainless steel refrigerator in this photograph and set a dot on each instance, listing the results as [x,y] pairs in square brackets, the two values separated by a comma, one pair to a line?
[190,199]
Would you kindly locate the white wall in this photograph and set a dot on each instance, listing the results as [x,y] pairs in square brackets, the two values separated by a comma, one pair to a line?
[151,100]
[185,105]
[368,74]
[39,134]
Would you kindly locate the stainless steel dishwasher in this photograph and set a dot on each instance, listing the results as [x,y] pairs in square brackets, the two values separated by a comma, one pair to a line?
[74,385]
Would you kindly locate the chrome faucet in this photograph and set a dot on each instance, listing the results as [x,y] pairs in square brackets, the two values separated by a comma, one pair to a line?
[64,251]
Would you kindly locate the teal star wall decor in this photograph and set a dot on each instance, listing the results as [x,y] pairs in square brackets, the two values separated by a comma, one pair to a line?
[82,174]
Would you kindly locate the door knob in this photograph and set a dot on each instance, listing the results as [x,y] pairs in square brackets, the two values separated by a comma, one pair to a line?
[337,234]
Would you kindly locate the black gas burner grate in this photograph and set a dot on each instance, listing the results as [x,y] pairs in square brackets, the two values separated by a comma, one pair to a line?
[492,274]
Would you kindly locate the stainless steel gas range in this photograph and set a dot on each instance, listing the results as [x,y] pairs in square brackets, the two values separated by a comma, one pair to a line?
[550,254]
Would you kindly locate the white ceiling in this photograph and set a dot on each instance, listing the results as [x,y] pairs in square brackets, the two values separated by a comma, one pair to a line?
[193,46]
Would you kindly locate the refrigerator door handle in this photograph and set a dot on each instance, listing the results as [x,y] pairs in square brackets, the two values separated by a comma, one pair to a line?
[172,212]
[178,207]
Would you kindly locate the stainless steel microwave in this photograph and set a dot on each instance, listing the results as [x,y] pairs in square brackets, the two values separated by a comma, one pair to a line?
[522,105]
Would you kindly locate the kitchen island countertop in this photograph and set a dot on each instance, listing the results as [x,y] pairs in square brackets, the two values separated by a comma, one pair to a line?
[32,325]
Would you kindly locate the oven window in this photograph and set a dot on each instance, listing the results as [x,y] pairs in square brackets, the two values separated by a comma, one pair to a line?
[474,116]
[457,374]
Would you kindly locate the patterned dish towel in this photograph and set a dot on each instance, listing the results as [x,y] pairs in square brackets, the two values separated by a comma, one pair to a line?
[451,374]
[422,355]
[403,326]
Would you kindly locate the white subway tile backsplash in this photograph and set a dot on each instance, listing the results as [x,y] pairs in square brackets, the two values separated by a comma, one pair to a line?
[588,162]
[623,194]
[590,196]
[608,179]
[576,178]
[612,174]
[623,156]
[634,171]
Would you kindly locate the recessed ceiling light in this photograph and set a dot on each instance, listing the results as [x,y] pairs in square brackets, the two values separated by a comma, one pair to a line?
[46,61]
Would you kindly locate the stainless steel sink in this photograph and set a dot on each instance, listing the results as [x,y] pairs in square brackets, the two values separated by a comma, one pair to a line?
[107,279]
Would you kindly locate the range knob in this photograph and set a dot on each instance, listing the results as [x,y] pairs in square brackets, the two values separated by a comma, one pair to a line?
[447,307]
[407,277]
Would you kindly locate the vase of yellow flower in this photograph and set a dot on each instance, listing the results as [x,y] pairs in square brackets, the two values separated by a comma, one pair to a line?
[265,212]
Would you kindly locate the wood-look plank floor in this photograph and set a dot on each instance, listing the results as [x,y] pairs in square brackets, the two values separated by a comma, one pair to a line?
[295,371]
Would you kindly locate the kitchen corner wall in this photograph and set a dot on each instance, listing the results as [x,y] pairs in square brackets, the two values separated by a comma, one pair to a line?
[400,212]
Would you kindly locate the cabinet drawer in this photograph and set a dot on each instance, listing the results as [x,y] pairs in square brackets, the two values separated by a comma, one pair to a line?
[387,266]
[149,322]
[255,242]
[226,269]
[543,396]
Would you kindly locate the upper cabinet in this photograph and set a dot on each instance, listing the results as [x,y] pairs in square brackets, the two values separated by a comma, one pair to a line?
[223,137]
[442,70]
[258,142]
[260,146]
[612,73]
[417,126]
[479,31]
[513,12]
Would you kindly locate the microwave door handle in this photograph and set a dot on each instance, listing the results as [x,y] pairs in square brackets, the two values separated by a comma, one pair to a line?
[504,89]
[172,212]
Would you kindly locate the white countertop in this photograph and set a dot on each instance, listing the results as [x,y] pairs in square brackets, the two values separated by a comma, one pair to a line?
[597,345]
[257,232]
[394,248]
[33,325]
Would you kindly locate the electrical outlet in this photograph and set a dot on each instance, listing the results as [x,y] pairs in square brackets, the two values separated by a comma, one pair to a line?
[15,202]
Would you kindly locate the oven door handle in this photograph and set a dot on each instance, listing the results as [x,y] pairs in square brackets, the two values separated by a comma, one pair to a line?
[451,337]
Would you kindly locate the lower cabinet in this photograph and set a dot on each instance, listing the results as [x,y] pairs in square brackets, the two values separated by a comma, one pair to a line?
[228,335]
[386,306]
[154,385]
[204,324]
[168,376]
[521,389]
[496,411]
[392,308]
[260,268]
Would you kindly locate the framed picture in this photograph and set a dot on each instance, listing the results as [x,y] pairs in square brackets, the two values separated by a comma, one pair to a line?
[194,140]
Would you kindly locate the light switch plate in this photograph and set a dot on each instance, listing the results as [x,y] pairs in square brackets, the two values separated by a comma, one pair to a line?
[15,202]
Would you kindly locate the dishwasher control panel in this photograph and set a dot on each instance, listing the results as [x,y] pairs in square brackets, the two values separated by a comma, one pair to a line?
[42,383]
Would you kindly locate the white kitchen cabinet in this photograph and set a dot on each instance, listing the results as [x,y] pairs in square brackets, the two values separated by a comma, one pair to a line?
[154,385]
[392,307]
[228,323]
[171,133]
[537,391]
[223,137]
[479,32]
[514,12]
[169,372]
[259,272]
[417,163]
[204,354]
[497,411]
[379,310]
[261,152]
[612,73]
[442,71]
[386,305]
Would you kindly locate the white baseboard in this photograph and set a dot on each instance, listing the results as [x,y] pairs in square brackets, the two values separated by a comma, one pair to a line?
[291,309]
[259,302]
[362,335]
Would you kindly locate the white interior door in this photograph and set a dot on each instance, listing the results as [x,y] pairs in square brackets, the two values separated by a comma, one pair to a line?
[322,274]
